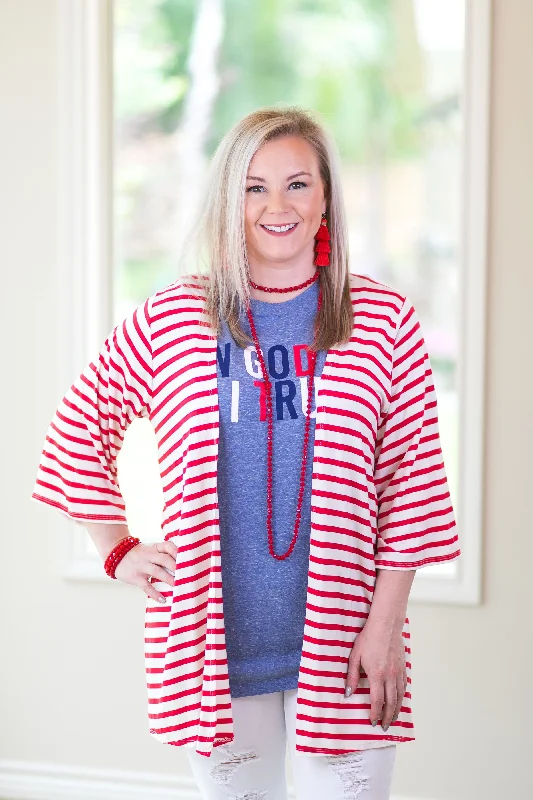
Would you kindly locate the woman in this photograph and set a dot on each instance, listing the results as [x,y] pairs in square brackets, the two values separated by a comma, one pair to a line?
[296,421]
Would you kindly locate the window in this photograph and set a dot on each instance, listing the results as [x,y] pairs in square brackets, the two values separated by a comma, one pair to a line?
[395,91]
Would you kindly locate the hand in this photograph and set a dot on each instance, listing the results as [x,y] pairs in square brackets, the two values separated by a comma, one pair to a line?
[381,654]
[149,560]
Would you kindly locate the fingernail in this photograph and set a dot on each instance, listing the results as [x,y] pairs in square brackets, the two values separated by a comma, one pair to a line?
[348,691]
[374,723]
[161,599]
[386,728]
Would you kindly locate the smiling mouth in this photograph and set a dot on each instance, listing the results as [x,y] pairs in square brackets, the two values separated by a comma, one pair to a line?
[280,230]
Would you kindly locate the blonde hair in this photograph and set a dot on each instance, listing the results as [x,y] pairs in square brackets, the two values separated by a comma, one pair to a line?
[218,236]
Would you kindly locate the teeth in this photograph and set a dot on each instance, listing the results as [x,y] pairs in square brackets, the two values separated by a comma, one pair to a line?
[280,228]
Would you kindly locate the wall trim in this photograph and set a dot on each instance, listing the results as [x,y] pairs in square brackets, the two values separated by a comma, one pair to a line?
[26,780]
[85,202]
[21,780]
[462,586]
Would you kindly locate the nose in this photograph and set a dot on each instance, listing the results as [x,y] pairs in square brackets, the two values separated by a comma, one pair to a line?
[277,202]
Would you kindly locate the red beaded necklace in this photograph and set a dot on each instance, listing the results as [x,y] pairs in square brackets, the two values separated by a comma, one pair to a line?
[269,415]
[311,280]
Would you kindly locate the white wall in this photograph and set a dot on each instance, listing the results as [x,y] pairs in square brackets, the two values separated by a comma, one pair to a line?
[72,688]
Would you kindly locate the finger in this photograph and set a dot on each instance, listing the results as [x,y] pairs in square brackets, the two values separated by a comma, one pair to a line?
[167,547]
[165,554]
[400,691]
[352,676]
[377,698]
[163,560]
[391,698]
[161,574]
[149,590]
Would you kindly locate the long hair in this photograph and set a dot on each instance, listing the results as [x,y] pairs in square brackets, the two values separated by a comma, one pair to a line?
[218,235]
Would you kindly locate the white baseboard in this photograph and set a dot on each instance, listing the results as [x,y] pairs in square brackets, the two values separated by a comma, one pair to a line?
[21,780]
[24,780]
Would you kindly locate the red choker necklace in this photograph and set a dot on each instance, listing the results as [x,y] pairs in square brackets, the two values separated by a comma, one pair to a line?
[311,280]
[311,354]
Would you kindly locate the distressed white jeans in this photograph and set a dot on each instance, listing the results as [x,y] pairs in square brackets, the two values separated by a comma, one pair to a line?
[252,767]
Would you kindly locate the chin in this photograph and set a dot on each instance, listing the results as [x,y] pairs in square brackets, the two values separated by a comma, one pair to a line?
[280,253]
[281,258]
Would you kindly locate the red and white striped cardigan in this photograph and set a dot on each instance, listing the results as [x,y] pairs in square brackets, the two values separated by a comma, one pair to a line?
[379,499]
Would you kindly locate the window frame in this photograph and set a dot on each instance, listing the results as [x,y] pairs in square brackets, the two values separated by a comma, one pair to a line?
[85,205]
[85,264]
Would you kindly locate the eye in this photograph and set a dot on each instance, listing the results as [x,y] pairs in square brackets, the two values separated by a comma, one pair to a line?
[298,184]
[257,188]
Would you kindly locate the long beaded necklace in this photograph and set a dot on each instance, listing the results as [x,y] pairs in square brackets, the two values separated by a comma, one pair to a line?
[269,416]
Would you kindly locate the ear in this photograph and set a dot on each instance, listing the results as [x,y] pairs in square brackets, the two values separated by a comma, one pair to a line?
[323,206]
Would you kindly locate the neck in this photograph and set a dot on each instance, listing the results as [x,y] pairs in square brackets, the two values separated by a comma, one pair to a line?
[279,276]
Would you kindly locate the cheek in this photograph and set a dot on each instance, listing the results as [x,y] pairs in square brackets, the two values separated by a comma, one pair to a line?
[252,212]
[310,205]
[248,219]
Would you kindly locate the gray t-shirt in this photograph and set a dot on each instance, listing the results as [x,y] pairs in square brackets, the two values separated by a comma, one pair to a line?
[263,597]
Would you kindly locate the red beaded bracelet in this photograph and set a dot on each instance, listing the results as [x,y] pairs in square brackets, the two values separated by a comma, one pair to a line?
[118,552]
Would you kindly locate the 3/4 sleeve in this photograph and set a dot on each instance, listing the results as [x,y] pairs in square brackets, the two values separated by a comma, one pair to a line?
[415,518]
[77,472]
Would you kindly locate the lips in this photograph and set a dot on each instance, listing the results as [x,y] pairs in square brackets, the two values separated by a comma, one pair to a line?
[280,230]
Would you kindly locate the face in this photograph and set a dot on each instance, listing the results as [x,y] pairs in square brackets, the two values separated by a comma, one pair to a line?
[284,203]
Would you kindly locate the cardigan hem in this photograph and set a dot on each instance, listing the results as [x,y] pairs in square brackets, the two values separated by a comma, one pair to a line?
[426,562]
[387,741]
[370,744]
[78,517]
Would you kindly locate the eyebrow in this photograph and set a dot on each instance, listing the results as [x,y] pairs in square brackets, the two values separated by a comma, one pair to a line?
[290,178]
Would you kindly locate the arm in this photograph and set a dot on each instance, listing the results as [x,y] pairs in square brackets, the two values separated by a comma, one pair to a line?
[389,604]
[415,519]
[77,473]
[105,537]
[156,560]
[379,648]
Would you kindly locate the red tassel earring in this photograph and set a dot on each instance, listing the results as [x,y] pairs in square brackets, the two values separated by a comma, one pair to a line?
[322,246]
